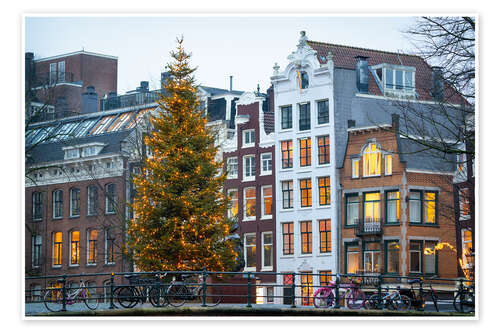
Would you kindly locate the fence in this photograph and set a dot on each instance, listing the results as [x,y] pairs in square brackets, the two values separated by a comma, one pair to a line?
[204,288]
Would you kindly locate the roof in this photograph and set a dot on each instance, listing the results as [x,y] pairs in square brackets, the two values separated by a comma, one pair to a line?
[76,53]
[219,91]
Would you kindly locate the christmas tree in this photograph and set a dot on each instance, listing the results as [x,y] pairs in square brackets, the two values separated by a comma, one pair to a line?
[180,208]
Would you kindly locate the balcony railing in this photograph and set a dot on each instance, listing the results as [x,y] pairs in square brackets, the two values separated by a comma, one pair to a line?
[369,226]
[51,78]
[133,99]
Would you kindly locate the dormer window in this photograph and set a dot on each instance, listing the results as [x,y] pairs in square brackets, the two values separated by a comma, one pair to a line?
[71,153]
[395,79]
[89,151]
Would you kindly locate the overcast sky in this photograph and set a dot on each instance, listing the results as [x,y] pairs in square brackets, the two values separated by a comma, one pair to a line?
[243,46]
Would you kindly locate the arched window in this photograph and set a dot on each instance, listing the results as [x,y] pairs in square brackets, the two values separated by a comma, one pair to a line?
[371,160]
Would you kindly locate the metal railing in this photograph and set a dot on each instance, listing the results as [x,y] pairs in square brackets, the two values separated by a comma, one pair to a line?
[246,289]
[132,99]
[369,226]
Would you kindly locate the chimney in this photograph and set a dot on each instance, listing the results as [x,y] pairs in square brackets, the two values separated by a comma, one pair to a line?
[144,86]
[362,74]
[230,83]
[89,100]
[437,83]
[395,122]
[351,123]
[29,69]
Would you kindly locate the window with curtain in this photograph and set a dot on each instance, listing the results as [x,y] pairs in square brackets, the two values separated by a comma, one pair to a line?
[250,200]
[233,203]
[392,257]
[392,204]
[250,251]
[415,206]
[352,209]
[75,248]
[371,160]
[352,258]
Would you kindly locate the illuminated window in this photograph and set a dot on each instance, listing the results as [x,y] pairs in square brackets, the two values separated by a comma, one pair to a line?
[266,161]
[305,193]
[286,154]
[304,117]
[352,209]
[109,247]
[430,205]
[355,168]
[249,167]
[371,257]
[286,117]
[466,247]
[267,201]
[267,250]
[57,204]
[305,152]
[287,194]
[92,247]
[110,198]
[250,245]
[323,150]
[75,248]
[232,167]
[392,207]
[371,160]
[464,202]
[323,112]
[74,202]
[388,165]
[324,191]
[371,207]
[37,205]
[325,236]
[233,203]
[92,200]
[306,290]
[392,256]
[306,236]
[57,249]
[287,238]
[36,250]
[324,278]
[250,200]
[352,258]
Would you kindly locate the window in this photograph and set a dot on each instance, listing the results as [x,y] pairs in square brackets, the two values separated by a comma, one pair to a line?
[305,152]
[371,207]
[267,201]
[371,257]
[249,137]
[109,247]
[464,203]
[287,238]
[303,80]
[57,249]
[352,209]
[287,194]
[249,167]
[57,204]
[306,236]
[92,200]
[392,207]
[430,207]
[270,294]
[74,202]
[267,250]
[250,252]
[286,117]
[325,236]
[53,73]
[466,248]
[233,203]
[415,257]
[110,198]
[306,289]
[415,207]
[75,248]
[323,112]
[250,200]
[71,153]
[352,258]
[324,190]
[388,165]
[36,250]
[286,154]
[61,71]
[305,193]
[266,161]
[355,168]
[430,258]
[371,160]
[392,257]
[90,151]
[304,117]
[37,205]
[92,247]
[232,167]
[323,150]
[399,80]
[324,278]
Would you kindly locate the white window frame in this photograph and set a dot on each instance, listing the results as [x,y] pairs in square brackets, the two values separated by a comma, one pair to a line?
[388,165]
[266,163]
[262,200]
[355,169]
[263,244]
[71,153]
[71,248]
[53,73]
[231,201]
[251,136]
[61,71]
[394,68]
[53,248]
[245,217]
[245,246]
[246,159]
[367,154]
[232,167]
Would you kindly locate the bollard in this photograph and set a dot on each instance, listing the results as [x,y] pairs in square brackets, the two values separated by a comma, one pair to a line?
[379,292]
[111,292]
[249,291]
[64,293]
[337,292]
[204,288]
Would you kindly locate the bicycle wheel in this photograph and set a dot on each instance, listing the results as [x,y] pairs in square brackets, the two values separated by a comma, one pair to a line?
[464,302]
[355,299]
[91,301]
[212,299]
[53,300]
[323,298]
[404,302]
[157,296]
[372,302]
[177,294]
[126,296]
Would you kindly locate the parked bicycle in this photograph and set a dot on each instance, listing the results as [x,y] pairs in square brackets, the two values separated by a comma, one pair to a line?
[141,289]
[464,300]
[53,298]
[389,300]
[354,297]
[193,290]
[418,296]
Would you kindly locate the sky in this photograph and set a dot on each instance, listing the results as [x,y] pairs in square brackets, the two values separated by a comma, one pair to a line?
[244,46]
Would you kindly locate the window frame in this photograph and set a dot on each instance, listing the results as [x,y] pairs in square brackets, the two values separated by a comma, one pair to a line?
[232,200]
[111,198]
[325,235]
[379,201]
[324,188]
[92,201]
[304,116]
[251,166]
[263,251]
[308,190]
[245,199]
[57,247]
[305,152]
[306,237]
[398,207]
[57,204]
[321,117]
[109,247]
[426,207]
[420,208]
[388,165]
[287,163]
[263,202]
[420,254]
[367,161]
[346,204]
[232,167]
[290,236]
[323,149]
[92,247]
[245,253]
[289,191]
[266,164]
[251,137]
[74,249]
[37,206]
[74,191]
[372,253]
[289,120]
[36,250]
[355,168]
[346,255]
[386,256]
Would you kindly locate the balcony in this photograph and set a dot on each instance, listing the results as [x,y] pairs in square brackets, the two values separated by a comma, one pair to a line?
[369,226]
[52,78]
[131,99]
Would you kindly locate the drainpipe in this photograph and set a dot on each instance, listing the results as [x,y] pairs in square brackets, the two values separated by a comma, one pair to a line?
[339,222]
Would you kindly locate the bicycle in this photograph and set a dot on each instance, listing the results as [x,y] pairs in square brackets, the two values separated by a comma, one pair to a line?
[194,291]
[389,300]
[324,297]
[53,298]
[464,301]
[418,298]
[140,290]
